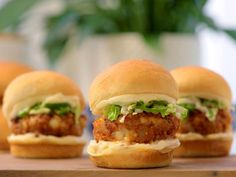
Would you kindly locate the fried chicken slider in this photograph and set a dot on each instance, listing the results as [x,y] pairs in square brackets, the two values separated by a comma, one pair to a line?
[136,102]
[8,72]
[207,130]
[43,110]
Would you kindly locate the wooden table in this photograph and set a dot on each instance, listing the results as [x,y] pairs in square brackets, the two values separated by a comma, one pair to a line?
[82,167]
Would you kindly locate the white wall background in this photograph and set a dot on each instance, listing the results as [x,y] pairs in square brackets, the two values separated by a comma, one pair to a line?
[218,50]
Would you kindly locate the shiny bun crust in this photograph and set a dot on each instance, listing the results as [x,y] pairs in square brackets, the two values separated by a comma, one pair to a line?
[131,77]
[46,150]
[202,82]
[38,83]
[4,132]
[133,159]
[9,71]
[203,148]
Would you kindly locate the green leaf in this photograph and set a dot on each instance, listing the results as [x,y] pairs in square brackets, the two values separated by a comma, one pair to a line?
[230,33]
[112,112]
[12,12]
[156,103]
[24,112]
[36,106]
[189,106]
[184,115]
[211,114]
[56,105]
[77,114]
[150,18]
[59,108]
[157,109]
[154,107]
[60,29]
[212,103]
[210,110]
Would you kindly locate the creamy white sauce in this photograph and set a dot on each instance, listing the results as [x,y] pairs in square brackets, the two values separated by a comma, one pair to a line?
[195,101]
[122,119]
[125,100]
[107,147]
[57,98]
[199,106]
[227,102]
[40,111]
[60,98]
[31,138]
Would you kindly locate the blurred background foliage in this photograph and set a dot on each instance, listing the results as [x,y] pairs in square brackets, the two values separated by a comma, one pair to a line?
[83,18]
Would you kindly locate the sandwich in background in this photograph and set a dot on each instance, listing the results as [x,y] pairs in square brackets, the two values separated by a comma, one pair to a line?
[207,130]
[136,102]
[8,72]
[43,109]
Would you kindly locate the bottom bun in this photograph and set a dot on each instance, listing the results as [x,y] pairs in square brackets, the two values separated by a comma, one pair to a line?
[45,146]
[121,155]
[4,133]
[203,148]
[46,150]
[135,159]
[4,145]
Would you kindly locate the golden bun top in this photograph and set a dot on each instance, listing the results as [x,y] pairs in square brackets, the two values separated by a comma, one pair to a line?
[202,82]
[32,85]
[136,77]
[9,71]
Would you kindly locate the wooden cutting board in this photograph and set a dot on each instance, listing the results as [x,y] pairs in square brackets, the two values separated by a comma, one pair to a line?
[82,167]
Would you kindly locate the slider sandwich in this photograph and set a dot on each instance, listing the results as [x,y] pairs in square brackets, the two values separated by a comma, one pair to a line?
[8,72]
[138,116]
[207,130]
[43,110]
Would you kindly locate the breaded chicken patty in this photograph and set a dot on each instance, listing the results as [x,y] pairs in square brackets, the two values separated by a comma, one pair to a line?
[140,128]
[49,124]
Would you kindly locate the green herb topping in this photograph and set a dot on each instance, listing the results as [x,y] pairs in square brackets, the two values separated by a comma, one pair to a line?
[58,108]
[209,107]
[164,108]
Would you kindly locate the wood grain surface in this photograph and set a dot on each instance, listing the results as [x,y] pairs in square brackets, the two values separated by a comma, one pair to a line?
[200,167]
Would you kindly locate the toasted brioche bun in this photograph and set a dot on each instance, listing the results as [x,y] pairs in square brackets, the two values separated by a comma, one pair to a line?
[46,150]
[38,83]
[9,71]
[45,146]
[202,82]
[134,159]
[203,148]
[137,77]
[120,155]
[4,132]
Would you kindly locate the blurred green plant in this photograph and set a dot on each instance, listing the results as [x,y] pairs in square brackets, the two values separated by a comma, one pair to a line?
[12,13]
[82,18]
